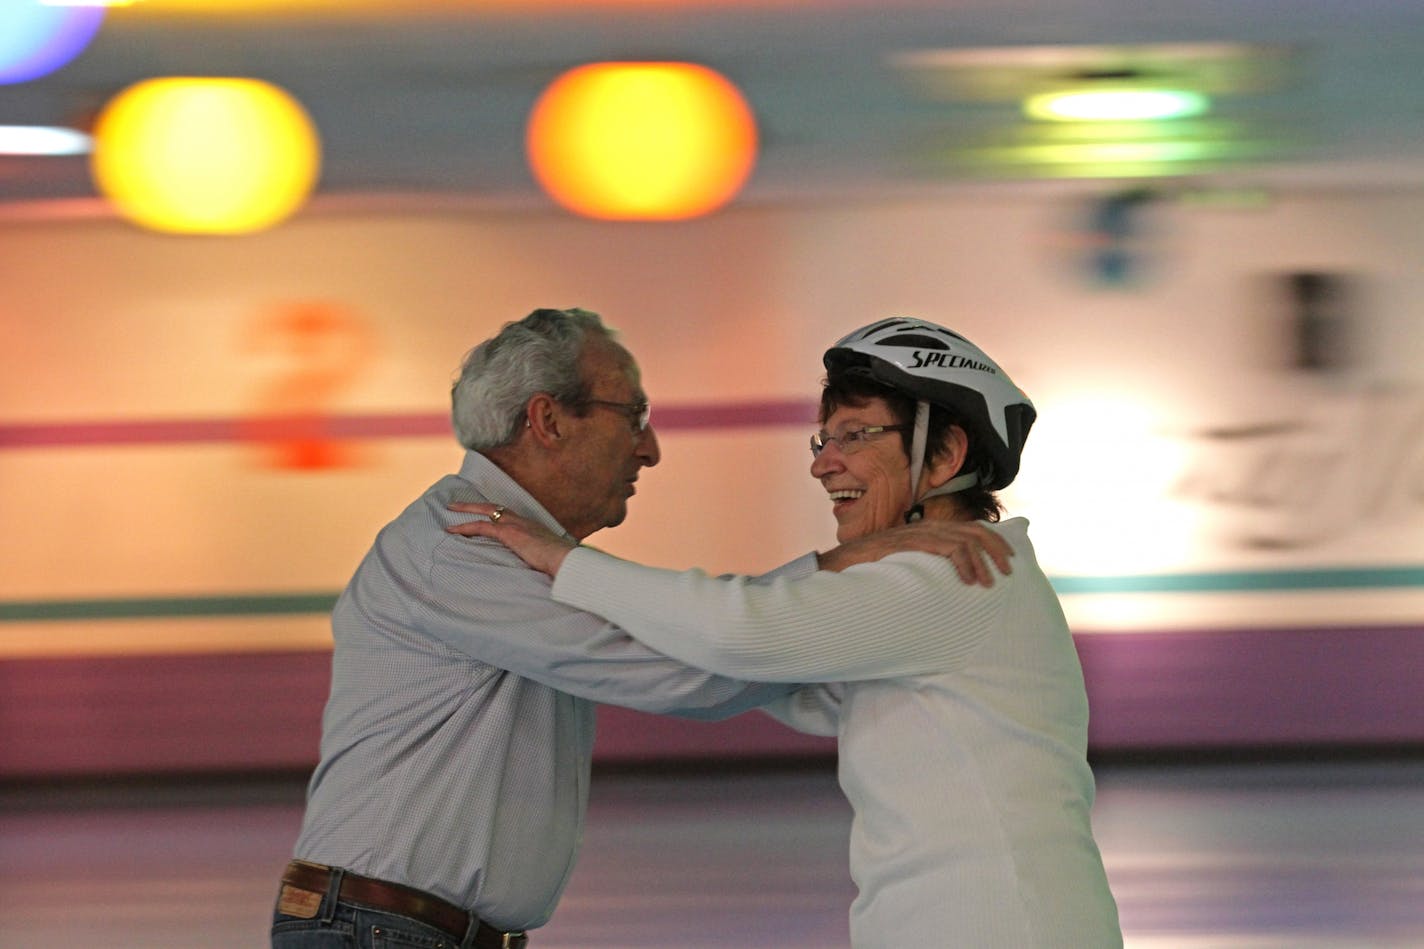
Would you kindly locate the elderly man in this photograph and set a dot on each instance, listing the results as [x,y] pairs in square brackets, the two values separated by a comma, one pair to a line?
[455,755]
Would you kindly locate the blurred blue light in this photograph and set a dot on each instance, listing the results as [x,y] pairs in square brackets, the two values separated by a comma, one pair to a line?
[37,38]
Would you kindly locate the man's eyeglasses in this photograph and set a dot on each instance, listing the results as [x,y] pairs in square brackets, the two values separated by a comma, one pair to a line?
[639,414]
[852,441]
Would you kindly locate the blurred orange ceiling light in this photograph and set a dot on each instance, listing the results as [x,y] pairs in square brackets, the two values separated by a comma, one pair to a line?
[641,141]
[205,155]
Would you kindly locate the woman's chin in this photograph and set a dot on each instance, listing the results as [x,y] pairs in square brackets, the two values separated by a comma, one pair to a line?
[846,533]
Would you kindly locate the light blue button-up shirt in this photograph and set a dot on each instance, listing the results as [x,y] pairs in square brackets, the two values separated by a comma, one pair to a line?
[456,743]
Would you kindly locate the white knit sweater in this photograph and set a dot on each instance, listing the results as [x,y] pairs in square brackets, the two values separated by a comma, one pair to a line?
[962,724]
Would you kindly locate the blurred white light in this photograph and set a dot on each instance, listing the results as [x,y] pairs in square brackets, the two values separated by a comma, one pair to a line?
[1096,475]
[43,140]
[1116,105]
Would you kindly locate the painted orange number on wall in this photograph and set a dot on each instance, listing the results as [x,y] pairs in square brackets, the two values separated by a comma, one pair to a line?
[313,353]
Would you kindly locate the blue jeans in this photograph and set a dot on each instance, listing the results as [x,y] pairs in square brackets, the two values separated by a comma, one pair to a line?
[339,925]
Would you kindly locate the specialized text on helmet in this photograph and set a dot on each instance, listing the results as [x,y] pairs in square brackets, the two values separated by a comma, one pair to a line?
[948,361]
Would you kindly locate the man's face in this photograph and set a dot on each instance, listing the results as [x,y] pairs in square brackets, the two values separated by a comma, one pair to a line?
[605,451]
[869,486]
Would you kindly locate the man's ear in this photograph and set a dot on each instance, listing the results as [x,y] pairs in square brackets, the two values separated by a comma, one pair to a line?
[949,463]
[543,416]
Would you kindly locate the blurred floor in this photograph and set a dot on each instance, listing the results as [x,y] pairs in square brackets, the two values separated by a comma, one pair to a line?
[1298,855]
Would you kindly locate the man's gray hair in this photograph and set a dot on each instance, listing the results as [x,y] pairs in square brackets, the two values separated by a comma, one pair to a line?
[539,353]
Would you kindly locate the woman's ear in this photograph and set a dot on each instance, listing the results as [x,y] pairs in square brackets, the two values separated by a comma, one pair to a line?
[949,462]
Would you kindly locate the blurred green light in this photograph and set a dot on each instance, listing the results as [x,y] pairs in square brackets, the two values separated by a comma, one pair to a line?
[1102,153]
[1115,105]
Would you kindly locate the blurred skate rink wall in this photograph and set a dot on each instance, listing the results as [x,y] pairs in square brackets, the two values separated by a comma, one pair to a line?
[199,439]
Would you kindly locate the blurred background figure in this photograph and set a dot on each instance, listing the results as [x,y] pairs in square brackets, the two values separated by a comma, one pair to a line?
[1321,304]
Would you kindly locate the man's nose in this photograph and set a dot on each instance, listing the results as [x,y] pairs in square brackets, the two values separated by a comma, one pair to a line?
[647,448]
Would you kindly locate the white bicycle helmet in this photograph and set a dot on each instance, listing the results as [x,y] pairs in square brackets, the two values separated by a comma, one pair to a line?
[936,366]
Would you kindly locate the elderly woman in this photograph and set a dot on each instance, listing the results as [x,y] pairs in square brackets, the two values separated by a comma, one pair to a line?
[960,709]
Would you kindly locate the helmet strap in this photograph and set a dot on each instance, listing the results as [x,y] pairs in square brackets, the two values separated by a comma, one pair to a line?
[917,459]
[954,485]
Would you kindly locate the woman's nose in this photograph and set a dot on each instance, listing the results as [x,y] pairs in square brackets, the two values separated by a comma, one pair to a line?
[827,460]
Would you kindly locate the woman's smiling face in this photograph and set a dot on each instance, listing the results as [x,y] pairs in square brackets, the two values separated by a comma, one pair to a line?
[869,486]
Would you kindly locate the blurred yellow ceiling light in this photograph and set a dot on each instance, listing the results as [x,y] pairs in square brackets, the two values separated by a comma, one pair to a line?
[406,8]
[205,155]
[1115,105]
[355,9]
[641,140]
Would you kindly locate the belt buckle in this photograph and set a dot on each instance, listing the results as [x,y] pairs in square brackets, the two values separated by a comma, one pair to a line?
[512,940]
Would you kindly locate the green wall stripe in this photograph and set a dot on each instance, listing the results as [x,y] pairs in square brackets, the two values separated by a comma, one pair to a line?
[1246,581]
[29,611]
[1243,581]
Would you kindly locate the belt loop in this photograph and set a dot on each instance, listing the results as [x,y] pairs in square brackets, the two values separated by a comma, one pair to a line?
[333,895]
[471,931]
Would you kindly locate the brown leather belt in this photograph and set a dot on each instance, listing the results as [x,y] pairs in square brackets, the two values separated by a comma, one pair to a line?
[402,900]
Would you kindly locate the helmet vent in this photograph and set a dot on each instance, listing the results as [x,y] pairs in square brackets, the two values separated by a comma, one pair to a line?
[913,341]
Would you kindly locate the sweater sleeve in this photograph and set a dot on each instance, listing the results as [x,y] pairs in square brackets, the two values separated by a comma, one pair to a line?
[908,614]
[814,709]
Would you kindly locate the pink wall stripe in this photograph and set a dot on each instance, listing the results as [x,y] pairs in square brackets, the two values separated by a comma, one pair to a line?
[90,434]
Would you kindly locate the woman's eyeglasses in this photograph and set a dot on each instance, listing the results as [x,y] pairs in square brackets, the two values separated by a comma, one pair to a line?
[851,441]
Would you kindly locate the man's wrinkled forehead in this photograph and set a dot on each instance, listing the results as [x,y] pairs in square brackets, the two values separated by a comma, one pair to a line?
[603,358]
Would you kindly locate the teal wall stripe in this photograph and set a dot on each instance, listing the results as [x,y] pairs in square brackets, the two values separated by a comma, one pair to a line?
[30,611]
[1248,581]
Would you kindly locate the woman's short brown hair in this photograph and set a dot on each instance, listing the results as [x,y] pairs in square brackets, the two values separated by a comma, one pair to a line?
[852,388]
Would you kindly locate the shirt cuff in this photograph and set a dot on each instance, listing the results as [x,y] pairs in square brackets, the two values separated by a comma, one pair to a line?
[580,573]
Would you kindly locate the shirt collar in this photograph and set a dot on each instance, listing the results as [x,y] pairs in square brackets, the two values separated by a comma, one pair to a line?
[497,487]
